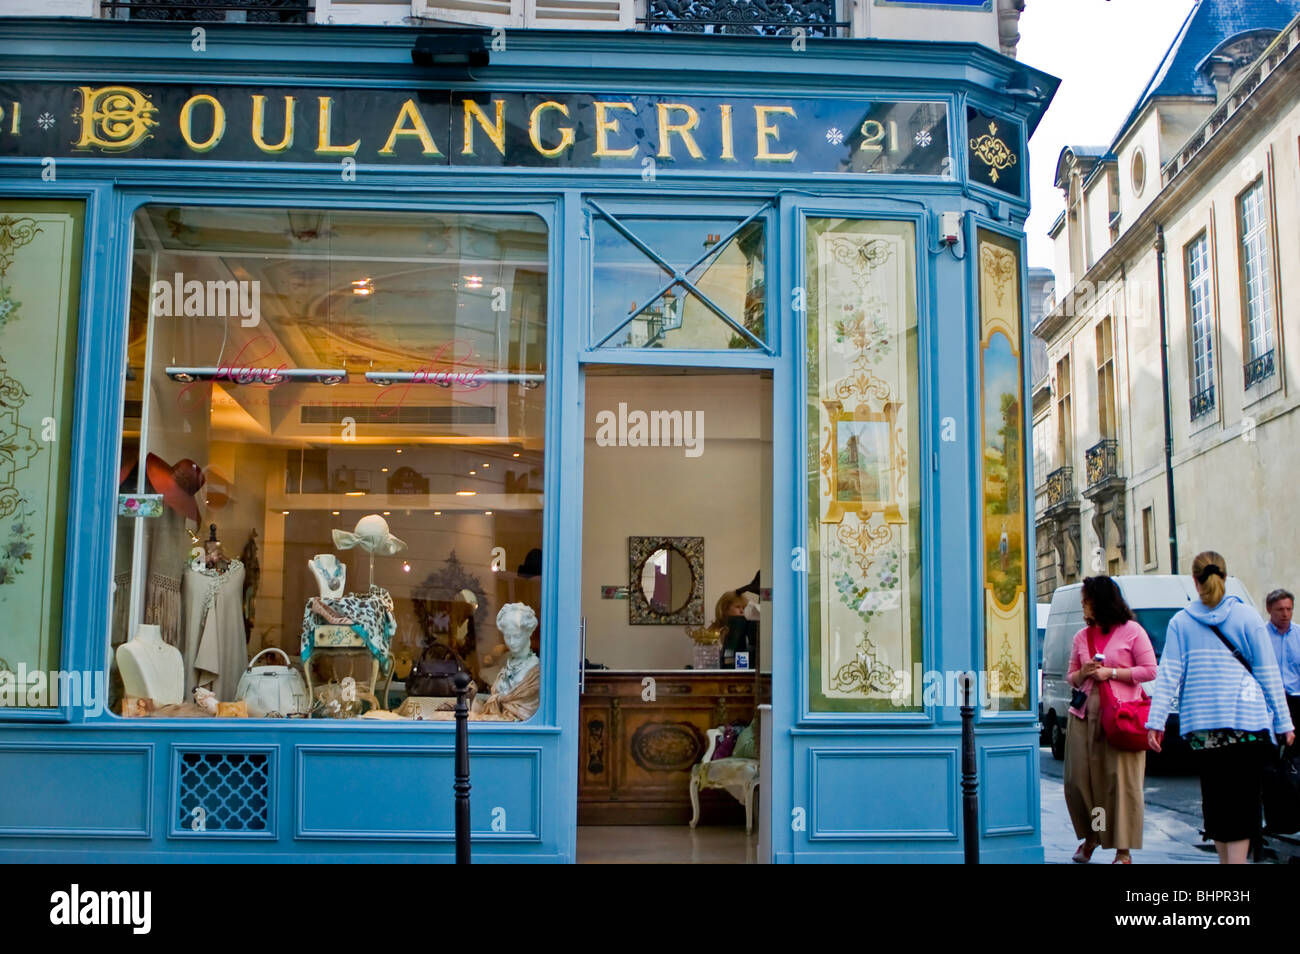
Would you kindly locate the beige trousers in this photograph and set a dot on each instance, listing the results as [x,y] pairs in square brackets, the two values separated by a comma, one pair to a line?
[1103,785]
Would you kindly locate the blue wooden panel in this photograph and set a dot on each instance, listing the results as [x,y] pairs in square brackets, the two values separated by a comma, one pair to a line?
[406,794]
[882,793]
[54,799]
[1008,775]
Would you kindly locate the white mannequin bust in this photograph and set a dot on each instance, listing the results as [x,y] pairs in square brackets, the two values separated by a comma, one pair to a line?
[331,575]
[150,668]
[516,622]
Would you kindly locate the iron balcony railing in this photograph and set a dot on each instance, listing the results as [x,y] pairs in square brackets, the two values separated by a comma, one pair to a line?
[1102,461]
[1059,490]
[1260,369]
[209,11]
[1202,402]
[817,18]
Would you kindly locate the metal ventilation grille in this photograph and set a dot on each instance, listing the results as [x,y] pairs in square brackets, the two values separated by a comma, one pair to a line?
[437,414]
[224,792]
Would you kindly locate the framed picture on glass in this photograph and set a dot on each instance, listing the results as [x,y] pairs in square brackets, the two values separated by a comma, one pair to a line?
[860,461]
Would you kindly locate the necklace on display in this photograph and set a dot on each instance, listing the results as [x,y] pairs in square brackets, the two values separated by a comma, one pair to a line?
[334,574]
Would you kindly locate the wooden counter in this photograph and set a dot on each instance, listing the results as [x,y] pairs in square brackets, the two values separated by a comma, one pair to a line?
[635,754]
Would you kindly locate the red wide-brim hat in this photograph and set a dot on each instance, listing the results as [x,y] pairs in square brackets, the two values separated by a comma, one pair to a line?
[177,483]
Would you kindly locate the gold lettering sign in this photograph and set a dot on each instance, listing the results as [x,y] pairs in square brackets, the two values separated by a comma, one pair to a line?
[187,122]
[728,145]
[259,122]
[410,113]
[323,145]
[768,130]
[667,128]
[114,118]
[535,131]
[605,126]
[496,131]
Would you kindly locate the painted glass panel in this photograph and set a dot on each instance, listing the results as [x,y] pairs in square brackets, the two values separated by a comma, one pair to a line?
[1003,486]
[332,452]
[40,294]
[864,557]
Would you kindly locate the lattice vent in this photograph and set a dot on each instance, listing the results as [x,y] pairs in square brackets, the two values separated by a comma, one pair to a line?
[224,791]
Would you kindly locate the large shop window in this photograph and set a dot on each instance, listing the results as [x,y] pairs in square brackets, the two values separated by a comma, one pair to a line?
[40,293]
[864,496]
[331,464]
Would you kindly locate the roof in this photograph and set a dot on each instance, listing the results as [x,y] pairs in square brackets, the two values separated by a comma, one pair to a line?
[1209,24]
[1086,157]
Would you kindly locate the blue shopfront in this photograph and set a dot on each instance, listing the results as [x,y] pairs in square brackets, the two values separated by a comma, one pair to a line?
[612,326]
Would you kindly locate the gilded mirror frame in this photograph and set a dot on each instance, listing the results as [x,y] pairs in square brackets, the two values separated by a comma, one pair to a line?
[639,610]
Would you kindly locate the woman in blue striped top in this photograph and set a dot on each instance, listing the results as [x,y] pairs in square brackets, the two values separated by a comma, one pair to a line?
[1230,703]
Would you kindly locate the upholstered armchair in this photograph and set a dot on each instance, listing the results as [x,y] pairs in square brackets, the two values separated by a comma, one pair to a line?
[737,774]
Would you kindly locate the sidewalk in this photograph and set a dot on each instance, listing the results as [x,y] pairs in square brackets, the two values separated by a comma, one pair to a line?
[1168,837]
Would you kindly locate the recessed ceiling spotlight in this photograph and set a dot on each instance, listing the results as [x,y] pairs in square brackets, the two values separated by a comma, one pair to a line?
[363,287]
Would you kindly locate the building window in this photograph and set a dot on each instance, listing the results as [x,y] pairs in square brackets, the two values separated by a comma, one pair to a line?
[1042,462]
[1256,282]
[1139,172]
[1106,423]
[353,404]
[1200,310]
[1064,414]
[1148,536]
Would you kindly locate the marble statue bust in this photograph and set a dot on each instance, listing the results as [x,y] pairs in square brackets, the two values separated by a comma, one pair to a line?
[516,622]
[331,574]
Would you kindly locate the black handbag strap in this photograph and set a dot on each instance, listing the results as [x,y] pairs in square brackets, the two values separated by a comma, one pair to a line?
[1233,649]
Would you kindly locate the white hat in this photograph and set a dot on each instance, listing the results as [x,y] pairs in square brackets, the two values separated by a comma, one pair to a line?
[371,534]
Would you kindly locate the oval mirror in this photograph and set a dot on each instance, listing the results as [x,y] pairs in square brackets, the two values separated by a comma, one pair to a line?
[666,580]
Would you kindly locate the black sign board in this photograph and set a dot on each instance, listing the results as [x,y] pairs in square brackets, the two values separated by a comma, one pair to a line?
[633,132]
[995,151]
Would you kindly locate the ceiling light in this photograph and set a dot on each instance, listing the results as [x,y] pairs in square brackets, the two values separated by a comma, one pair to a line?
[515,454]
[363,287]
[487,513]
[399,450]
[473,472]
[437,513]
[335,512]
[388,513]
[467,493]
[406,567]
[486,464]
[473,282]
[285,512]
[383,470]
[355,493]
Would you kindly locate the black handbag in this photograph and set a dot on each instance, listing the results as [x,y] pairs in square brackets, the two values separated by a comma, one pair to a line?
[1281,790]
[432,677]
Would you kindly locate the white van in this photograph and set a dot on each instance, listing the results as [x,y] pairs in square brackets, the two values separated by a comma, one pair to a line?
[1154,601]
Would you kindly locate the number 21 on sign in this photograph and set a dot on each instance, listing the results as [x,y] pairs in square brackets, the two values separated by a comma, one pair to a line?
[874,133]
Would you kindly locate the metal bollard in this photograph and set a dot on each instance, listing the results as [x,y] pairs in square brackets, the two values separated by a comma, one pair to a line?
[461,785]
[970,783]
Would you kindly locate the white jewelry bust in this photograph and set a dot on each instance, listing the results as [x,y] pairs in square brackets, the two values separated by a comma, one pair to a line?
[150,668]
[331,575]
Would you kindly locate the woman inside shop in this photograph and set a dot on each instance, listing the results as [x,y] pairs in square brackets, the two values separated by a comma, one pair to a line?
[1218,666]
[1103,784]
[736,617]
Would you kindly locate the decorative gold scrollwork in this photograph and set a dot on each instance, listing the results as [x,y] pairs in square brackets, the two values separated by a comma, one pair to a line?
[993,151]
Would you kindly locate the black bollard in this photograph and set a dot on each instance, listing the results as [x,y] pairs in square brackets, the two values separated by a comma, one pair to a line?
[969,776]
[461,786]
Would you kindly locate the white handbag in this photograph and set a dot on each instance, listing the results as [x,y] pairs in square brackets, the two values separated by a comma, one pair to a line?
[273,690]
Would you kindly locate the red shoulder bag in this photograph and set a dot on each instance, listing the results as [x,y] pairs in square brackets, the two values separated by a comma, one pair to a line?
[1123,722]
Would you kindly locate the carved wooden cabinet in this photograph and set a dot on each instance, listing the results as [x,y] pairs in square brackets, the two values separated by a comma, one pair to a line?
[636,753]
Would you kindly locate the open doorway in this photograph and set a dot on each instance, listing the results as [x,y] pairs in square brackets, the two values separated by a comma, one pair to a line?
[676,564]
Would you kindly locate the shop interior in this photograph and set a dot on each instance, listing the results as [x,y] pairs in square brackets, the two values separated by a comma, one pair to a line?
[675,559]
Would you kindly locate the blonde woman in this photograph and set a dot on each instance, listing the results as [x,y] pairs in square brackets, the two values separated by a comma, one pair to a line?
[1219,667]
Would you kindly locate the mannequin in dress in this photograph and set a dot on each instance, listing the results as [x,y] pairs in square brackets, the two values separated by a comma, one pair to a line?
[150,668]
[331,575]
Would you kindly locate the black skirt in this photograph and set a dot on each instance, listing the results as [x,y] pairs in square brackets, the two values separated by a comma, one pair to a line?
[1231,776]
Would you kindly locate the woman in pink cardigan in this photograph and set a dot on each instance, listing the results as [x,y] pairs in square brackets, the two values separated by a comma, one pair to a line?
[1103,785]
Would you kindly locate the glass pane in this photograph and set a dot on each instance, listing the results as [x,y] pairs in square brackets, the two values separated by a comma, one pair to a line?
[352,403]
[732,276]
[864,572]
[40,295]
[1006,590]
